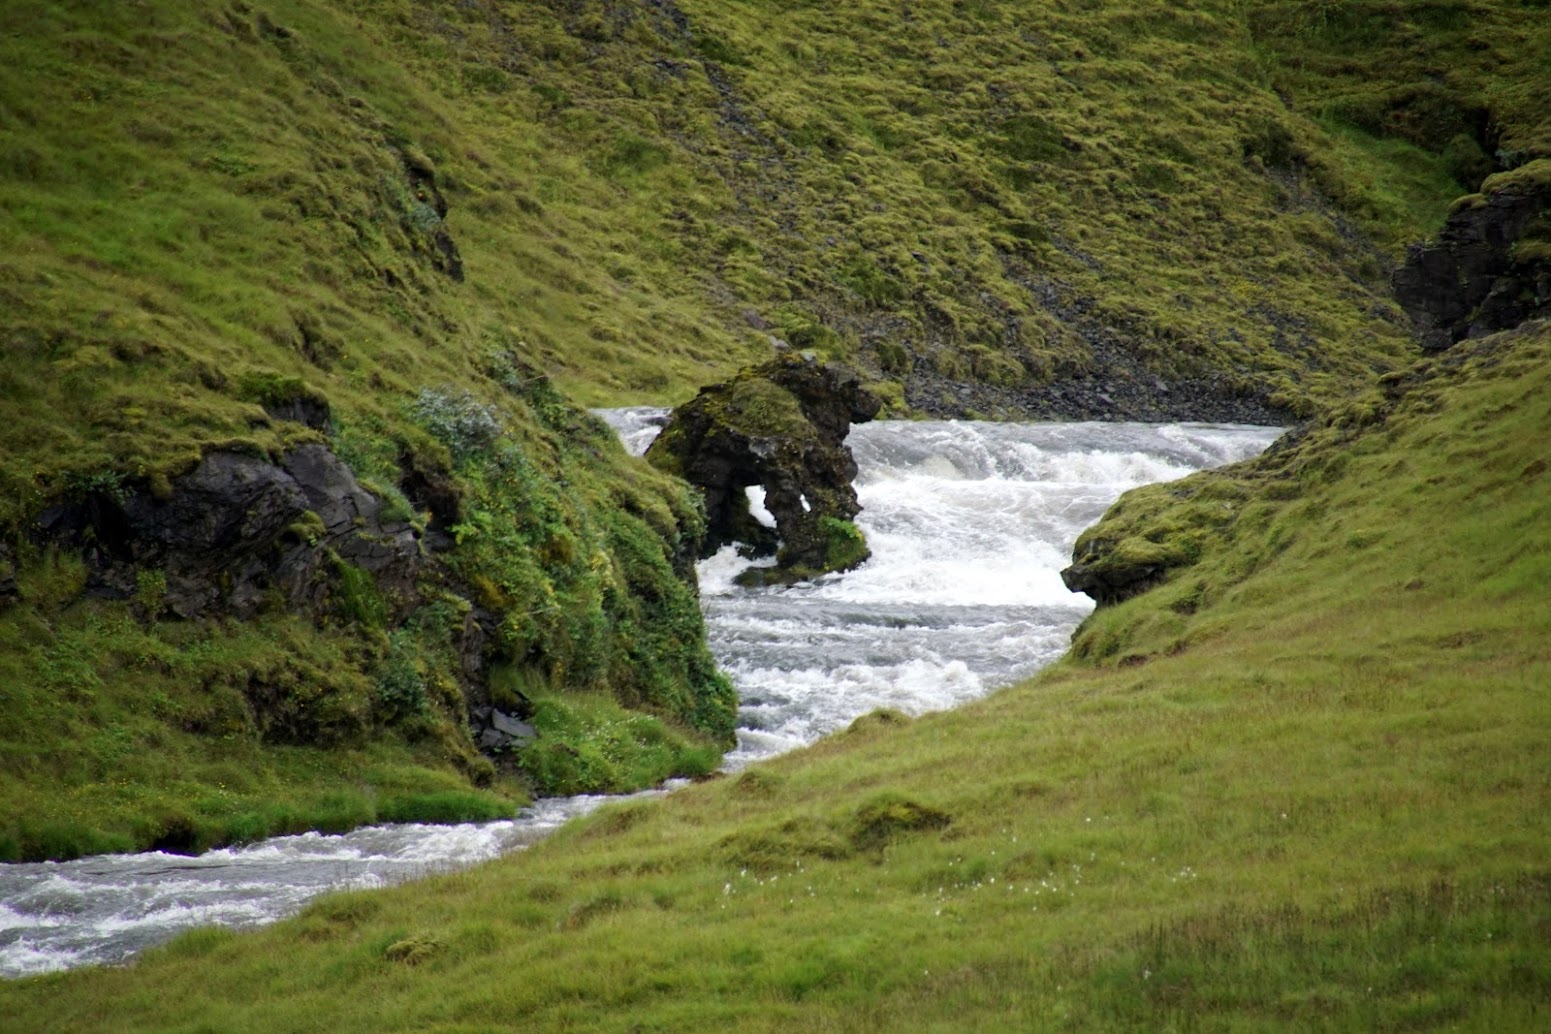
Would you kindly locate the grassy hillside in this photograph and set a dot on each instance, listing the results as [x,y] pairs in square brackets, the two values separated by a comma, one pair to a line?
[429,217]
[1299,786]
[976,201]
[980,192]
[215,213]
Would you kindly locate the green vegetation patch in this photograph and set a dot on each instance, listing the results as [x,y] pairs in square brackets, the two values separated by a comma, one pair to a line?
[242,231]
[592,745]
[118,735]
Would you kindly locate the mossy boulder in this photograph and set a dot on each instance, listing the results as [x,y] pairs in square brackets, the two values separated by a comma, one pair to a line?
[781,426]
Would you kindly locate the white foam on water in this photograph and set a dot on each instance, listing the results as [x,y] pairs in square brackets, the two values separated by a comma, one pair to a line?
[970,525]
[23,958]
[716,573]
[10,919]
[103,909]
[636,426]
[180,916]
[757,508]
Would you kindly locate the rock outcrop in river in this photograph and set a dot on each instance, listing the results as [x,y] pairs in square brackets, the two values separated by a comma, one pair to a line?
[782,426]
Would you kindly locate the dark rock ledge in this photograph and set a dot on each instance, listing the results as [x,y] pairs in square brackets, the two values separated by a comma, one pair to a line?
[238,533]
[243,533]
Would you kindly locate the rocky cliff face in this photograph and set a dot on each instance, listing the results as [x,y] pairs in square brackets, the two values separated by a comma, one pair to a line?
[240,532]
[1490,267]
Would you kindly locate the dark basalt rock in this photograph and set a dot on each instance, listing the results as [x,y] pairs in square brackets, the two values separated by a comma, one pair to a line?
[1490,268]
[242,534]
[432,488]
[239,531]
[781,425]
[307,409]
[499,731]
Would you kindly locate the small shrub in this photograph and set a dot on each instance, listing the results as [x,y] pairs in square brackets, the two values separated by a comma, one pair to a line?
[105,483]
[308,528]
[401,691]
[415,949]
[804,330]
[358,597]
[465,425]
[880,718]
[150,591]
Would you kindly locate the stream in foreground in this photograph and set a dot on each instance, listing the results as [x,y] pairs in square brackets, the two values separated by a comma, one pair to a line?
[969,523]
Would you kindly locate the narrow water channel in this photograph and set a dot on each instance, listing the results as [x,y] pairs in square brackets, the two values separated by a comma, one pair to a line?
[970,524]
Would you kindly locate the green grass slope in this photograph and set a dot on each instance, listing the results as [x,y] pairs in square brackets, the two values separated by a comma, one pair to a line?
[211,212]
[1299,786]
[976,201]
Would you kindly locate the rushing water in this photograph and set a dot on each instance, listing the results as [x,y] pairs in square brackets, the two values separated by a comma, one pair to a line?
[106,908]
[970,525]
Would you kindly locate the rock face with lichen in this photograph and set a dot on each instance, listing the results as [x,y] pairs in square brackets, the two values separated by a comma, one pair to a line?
[238,533]
[1490,268]
[781,426]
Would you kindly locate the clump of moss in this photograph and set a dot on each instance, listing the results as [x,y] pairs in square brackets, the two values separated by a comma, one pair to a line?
[845,546]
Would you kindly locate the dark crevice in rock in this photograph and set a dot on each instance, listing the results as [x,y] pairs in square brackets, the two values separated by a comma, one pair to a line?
[426,214]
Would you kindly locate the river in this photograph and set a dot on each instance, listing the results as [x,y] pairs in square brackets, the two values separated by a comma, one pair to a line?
[969,523]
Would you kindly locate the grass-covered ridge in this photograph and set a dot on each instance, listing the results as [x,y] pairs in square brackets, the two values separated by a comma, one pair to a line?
[977,194]
[1314,798]
[982,194]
